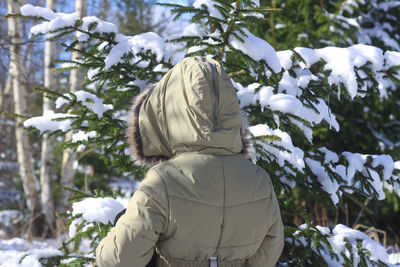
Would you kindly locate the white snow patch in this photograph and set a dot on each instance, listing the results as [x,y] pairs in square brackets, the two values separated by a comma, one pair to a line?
[100,210]
[258,49]
[135,44]
[329,185]
[83,136]
[293,155]
[214,12]
[36,11]
[89,100]
[46,122]
[193,29]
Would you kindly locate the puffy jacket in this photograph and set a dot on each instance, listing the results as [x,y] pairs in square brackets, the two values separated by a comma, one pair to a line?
[202,197]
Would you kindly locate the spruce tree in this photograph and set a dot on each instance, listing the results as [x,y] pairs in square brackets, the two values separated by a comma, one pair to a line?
[286,95]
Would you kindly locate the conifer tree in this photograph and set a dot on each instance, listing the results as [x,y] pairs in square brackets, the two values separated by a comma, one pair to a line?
[371,121]
[286,95]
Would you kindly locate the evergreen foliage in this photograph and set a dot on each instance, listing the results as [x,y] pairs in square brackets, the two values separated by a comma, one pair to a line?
[119,67]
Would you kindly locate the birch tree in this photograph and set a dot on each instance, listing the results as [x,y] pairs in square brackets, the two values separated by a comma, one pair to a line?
[69,156]
[24,155]
[47,169]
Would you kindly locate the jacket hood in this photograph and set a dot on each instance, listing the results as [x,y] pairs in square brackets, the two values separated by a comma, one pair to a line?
[194,107]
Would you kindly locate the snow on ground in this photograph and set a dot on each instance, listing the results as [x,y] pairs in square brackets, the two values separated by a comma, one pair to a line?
[23,253]
[394,258]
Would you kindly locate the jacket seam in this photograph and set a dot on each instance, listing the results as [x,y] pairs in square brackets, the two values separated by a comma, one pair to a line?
[224,247]
[167,196]
[223,205]
[137,232]
[231,206]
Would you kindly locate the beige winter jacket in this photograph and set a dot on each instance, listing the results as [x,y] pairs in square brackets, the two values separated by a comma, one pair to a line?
[202,198]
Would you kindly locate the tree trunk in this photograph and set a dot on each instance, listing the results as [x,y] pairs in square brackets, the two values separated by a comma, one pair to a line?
[6,92]
[69,156]
[46,170]
[24,155]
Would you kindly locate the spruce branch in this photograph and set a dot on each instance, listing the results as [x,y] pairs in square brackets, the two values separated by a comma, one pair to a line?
[70,48]
[45,91]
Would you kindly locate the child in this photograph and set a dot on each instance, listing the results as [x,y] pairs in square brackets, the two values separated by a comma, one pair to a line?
[202,203]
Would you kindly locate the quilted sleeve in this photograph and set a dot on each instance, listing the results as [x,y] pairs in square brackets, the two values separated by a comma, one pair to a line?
[131,242]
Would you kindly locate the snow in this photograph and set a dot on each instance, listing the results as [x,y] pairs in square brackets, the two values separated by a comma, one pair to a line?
[19,252]
[342,62]
[288,84]
[329,185]
[47,122]
[386,162]
[376,183]
[214,12]
[193,29]
[36,11]
[61,20]
[336,239]
[356,162]
[256,3]
[100,210]
[92,72]
[83,136]
[135,44]
[340,232]
[258,49]
[394,258]
[102,26]
[291,154]
[285,58]
[285,103]
[89,100]
[392,58]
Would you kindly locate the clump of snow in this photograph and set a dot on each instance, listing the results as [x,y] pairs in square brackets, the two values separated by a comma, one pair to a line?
[392,58]
[47,122]
[355,161]
[100,210]
[289,85]
[102,26]
[286,103]
[36,11]
[386,162]
[340,232]
[376,183]
[61,20]
[285,58]
[214,12]
[336,239]
[342,62]
[329,185]
[83,136]
[258,49]
[89,100]
[135,44]
[290,154]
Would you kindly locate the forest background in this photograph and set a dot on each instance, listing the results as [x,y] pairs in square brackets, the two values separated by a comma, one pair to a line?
[368,125]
